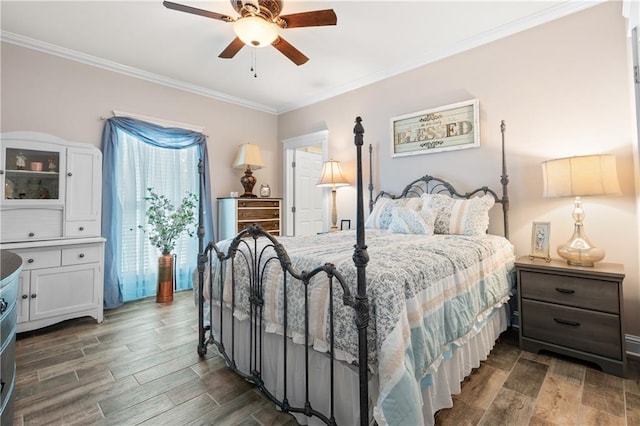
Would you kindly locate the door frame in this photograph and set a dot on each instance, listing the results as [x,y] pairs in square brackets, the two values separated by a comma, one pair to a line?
[289,147]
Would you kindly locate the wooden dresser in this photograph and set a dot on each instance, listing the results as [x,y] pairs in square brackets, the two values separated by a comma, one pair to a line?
[573,310]
[235,214]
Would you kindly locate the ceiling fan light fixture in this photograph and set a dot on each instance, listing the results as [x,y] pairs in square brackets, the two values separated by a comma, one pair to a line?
[255,31]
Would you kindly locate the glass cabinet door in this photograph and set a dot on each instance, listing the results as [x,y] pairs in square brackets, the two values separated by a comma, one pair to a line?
[31,174]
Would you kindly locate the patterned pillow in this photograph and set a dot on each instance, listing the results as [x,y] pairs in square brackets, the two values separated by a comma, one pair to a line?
[405,220]
[459,216]
[380,216]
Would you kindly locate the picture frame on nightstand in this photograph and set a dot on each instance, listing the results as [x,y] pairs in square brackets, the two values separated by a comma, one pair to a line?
[540,232]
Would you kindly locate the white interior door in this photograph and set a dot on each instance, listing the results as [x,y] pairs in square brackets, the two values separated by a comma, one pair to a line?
[308,196]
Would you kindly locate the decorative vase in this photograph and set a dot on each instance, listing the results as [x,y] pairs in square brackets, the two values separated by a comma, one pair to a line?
[164,293]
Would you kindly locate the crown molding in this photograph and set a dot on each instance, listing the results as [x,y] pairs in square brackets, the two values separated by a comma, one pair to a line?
[94,61]
[547,15]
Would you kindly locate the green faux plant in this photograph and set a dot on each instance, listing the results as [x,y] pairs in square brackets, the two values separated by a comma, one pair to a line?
[165,222]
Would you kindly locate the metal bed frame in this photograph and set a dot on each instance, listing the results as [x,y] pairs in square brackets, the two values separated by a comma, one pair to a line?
[244,248]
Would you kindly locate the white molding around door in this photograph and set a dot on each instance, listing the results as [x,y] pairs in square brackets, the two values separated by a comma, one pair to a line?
[289,146]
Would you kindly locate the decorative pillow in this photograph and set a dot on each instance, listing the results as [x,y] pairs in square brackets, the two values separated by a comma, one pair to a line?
[380,216]
[406,220]
[459,216]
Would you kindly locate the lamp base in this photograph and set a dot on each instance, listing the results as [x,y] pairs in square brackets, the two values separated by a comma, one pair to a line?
[248,181]
[579,251]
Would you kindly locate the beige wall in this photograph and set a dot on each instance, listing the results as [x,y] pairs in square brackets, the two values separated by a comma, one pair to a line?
[45,93]
[563,90]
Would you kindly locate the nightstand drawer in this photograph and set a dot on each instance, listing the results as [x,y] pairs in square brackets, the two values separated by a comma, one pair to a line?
[593,332]
[599,295]
[256,214]
[267,225]
[258,203]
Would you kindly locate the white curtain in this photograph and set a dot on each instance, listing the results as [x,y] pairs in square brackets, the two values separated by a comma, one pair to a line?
[170,172]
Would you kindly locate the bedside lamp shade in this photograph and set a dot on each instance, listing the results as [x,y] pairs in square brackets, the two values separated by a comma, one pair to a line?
[332,177]
[577,177]
[248,158]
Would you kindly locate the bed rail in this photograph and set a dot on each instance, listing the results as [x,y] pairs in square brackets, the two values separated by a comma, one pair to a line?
[244,269]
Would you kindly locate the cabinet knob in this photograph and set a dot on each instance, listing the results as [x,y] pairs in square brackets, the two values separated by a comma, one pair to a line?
[1,172]
[33,296]
[81,255]
[69,174]
[81,228]
[30,261]
[3,306]
[32,234]
[24,296]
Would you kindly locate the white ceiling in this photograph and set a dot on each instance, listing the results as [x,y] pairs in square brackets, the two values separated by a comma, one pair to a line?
[372,40]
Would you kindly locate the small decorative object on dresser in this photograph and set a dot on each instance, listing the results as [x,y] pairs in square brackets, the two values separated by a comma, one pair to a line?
[265,191]
[573,310]
[540,241]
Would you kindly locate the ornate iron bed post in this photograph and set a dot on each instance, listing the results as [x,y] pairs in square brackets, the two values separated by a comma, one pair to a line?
[370,178]
[202,258]
[360,259]
[504,180]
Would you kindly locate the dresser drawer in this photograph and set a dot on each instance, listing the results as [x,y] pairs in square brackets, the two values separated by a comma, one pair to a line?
[258,203]
[81,254]
[37,259]
[579,292]
[257,214]
[589,331]
[88,228]
[31,224]
[267,225]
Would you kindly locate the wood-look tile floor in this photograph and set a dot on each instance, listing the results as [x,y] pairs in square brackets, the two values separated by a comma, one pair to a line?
[140,366]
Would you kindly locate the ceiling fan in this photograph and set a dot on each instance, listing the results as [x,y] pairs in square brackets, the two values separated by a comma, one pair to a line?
[259,22]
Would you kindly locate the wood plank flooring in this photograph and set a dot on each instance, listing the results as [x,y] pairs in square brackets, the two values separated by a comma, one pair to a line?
[140,367]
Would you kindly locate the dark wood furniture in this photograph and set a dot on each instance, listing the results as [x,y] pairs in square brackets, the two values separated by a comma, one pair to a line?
[573,310]
[235,214]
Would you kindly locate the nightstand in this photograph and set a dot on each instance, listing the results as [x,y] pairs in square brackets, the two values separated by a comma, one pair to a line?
[573,310]
[235,214]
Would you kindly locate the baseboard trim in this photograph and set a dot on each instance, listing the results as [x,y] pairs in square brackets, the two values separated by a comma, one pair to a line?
[633,345]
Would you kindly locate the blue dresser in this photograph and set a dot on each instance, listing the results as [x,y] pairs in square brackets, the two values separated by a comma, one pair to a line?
[9,272]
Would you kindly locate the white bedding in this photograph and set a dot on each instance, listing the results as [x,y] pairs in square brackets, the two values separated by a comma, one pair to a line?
[430,296]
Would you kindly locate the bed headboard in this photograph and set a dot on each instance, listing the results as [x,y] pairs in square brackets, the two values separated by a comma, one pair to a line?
[432,185]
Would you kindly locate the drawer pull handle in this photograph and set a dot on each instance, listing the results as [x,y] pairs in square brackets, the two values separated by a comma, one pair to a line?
[69,174]
[33,296]
[2,386]
[81,228]
[565,290]
[24,296]
[31,234]
[3,306]
[566,322]
[30,261]
[81,255]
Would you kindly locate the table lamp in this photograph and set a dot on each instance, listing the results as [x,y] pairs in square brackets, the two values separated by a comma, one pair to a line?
[577,177]
[248,158]
[332,177]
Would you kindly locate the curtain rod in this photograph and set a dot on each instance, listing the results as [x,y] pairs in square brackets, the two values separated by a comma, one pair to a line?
[158,121]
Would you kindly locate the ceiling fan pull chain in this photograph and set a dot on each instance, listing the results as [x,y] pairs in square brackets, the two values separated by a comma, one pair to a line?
[254,67]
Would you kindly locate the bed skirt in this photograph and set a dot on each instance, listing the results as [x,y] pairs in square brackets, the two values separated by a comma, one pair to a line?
[444,381]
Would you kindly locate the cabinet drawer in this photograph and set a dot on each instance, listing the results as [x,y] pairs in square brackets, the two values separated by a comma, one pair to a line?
[258,203]
[580,292]
[8,297]
[589,331]
[80,254]
[31,224]
[257,214]
[37,259]
[88,228]
[8,326]
[267,225]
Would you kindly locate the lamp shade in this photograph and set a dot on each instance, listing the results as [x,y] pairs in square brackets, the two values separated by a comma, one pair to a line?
[248,157]
[255,31]
[580,176]
[332,175]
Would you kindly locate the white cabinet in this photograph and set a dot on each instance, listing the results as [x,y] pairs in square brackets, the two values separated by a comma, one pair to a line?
[59,282]
[50,207]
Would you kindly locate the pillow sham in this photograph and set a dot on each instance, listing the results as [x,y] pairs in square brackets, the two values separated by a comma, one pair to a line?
[406,220]
[380,216]
[459,216]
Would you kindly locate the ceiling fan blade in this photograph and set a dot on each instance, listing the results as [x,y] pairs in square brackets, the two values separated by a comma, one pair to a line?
[315,18]
[231,50]
[196,11]
[289,51]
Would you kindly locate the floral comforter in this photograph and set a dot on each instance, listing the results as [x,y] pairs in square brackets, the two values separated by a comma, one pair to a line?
[426,293]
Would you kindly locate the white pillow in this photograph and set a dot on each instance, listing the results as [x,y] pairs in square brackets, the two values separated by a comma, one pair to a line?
[406,220]
[380,216]
[459,216]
